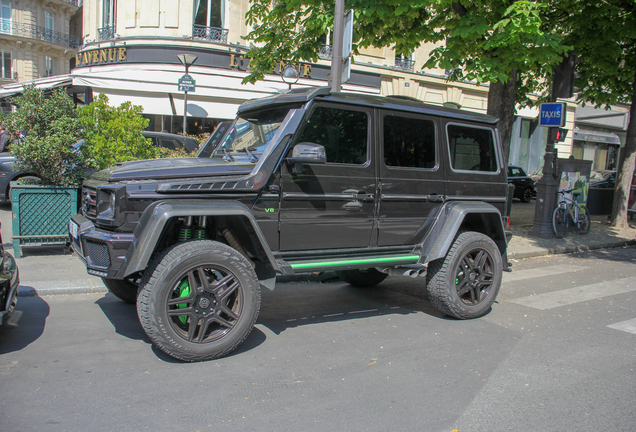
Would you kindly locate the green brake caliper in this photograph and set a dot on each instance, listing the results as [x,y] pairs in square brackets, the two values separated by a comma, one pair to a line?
[184,291]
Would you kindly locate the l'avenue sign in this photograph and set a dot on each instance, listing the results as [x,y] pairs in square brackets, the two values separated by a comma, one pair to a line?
[100,56]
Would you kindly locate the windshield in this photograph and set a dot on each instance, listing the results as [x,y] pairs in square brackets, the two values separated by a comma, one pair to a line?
[250,135]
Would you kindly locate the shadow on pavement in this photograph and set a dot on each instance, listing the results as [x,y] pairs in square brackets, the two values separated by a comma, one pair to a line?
[25,326]
[293,305]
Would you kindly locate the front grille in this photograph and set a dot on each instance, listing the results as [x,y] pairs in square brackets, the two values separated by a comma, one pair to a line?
[89,201]
[98,254]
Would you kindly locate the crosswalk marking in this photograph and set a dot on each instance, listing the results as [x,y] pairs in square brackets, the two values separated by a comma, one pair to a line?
[579,294]
[516,275]
[626,326]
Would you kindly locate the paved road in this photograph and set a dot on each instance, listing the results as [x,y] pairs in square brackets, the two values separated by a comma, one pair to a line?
[557,352]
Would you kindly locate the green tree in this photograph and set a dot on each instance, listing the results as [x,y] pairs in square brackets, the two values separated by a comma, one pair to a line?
[113,134]
[604,37]
[507,43]
[52,128]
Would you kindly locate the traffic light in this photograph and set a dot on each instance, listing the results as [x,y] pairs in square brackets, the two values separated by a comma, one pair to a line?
[558,134]
[563,77]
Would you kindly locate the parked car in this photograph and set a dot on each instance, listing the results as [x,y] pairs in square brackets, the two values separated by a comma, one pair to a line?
[8,174]
[306,181]
[605,179]
[172,141]
[524,185]
[9,282]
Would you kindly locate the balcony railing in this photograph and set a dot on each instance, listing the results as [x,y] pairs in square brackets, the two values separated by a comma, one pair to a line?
[404,64]
[106,33]
[325,52]
[31,31]
[73,2]
[212,34]
[7,74]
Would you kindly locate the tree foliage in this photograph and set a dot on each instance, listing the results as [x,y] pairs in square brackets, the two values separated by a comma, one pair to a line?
[603,34]
[507,43]
[113,134]
[52,128]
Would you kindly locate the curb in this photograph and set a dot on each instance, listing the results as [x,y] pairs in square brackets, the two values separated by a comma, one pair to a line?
[543,251]
[76,286]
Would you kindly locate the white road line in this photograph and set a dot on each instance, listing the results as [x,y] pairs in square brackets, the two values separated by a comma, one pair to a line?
[579,294]
[626,326]
[539,272]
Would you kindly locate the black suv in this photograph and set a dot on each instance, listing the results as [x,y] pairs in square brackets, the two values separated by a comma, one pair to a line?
[308,181]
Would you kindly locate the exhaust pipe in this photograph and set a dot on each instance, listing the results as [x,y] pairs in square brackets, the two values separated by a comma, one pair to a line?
[403,271]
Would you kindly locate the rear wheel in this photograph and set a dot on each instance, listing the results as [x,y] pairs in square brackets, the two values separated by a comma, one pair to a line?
[199,300]
[583,222]
[526,195]
[465,283]
[560,222]
[126,290]
[363,278]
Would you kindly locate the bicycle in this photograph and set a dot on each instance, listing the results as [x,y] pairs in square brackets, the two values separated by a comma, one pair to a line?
[568,212]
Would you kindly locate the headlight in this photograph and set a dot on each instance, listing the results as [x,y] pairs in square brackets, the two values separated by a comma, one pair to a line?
[107,199]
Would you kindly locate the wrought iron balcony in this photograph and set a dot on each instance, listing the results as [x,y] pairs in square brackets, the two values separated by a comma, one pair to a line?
[73,2]
[404,64]
[325,52]
[8,27]
[212,34]
[7,74]
[106,33]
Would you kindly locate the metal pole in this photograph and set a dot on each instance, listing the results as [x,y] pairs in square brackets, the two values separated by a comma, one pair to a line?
[185,105]
[547,188]
[336,57]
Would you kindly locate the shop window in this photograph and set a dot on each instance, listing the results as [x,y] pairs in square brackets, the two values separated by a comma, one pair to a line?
[409,142]
[209,13]
[471,148]
[5,17]
[6,64]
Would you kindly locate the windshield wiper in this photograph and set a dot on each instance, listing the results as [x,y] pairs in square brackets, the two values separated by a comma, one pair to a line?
[227,156]
[253,158]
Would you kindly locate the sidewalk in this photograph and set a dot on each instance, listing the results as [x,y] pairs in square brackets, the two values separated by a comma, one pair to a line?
[46,270]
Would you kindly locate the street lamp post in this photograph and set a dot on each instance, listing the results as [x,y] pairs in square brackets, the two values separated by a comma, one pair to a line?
[187,60]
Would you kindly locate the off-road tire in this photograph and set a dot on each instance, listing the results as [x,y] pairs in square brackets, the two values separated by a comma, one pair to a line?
[465,283]
[123,289]
[364,278]
[526,195]
[215,311]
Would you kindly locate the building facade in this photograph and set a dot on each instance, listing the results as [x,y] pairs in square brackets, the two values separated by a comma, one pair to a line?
[35,40]
[128,51]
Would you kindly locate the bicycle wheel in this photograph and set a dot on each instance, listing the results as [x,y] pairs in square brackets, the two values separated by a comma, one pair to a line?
[560,222]
[583,222]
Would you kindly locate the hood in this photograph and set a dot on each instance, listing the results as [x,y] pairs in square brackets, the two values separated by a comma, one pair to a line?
[178,168]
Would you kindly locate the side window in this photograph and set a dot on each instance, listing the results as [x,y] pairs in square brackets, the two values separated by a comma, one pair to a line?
[514,172]
[169,144]
[409,142]
[472,148]
[343,133]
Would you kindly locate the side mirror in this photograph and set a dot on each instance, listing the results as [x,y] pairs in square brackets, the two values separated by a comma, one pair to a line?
[306,152]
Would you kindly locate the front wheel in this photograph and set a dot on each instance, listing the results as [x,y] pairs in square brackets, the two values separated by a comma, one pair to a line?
[526,195]
[583,222]
[465,283]
[199,300]
[560,222]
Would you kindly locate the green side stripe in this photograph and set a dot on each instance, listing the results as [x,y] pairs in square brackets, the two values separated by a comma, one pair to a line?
[358,261]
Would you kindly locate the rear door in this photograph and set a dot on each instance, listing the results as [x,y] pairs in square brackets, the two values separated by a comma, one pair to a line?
[411,177]
[331,205]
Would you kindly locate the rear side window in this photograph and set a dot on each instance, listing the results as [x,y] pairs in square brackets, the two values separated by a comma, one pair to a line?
[168,143]
[343,133]
[409,142]
[471,148]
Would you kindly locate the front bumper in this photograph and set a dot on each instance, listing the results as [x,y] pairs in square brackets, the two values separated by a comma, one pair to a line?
[9,283]
[103,252]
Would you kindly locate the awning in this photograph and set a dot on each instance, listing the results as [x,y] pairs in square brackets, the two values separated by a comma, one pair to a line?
[47,83]
[595,136]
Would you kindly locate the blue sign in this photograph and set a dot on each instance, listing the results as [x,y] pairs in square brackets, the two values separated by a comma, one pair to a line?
[552,114]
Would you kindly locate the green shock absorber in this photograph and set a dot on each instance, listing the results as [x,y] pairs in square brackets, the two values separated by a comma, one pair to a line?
[199,234]
[185,234]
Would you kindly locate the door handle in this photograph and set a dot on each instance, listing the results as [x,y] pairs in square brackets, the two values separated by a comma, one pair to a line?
[364,197]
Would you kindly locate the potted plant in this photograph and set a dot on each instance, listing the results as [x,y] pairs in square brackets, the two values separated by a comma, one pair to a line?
[41,211]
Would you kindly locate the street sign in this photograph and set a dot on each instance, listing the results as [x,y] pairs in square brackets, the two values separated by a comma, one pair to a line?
[186,83]
[347,42]
[552,114]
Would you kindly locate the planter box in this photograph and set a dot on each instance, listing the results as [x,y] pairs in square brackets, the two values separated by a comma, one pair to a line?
[41,214]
